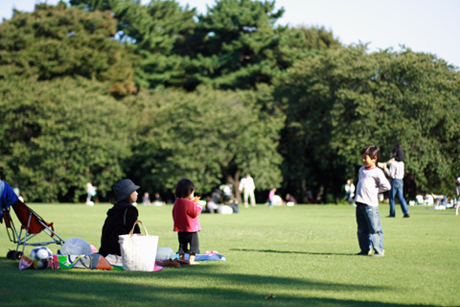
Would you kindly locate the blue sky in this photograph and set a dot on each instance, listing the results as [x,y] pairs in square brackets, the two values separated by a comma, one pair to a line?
[430,26]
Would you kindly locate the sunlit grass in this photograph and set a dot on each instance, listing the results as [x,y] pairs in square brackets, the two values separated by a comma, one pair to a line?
[302,254]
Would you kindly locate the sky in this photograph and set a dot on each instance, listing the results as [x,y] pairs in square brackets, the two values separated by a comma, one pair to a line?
[429,26]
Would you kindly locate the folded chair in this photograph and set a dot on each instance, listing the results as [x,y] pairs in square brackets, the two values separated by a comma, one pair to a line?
[31,223]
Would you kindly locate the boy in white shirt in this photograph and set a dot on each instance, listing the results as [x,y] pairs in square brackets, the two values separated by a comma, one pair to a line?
[371,182]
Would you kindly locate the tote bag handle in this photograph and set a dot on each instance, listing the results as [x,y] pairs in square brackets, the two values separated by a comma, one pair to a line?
[135,223]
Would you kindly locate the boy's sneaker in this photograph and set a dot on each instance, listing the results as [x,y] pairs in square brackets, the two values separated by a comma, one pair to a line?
[362,254]
[406,215]
[379,255]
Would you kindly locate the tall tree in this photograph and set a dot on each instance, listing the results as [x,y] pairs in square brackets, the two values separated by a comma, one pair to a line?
[300,43]
[236,44]
[56,41]
[157,33]
[99,5]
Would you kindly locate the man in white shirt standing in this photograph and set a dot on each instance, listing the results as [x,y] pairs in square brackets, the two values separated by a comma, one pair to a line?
[247,187]
[350,190]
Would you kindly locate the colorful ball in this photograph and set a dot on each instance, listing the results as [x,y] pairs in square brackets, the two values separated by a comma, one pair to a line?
[41,252]
[41,264]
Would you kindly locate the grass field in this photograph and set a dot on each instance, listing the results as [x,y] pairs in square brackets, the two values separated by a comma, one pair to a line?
[302,254]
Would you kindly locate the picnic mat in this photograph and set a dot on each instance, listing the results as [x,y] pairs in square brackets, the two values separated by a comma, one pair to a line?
[204,257]
[99,262]
[86,261]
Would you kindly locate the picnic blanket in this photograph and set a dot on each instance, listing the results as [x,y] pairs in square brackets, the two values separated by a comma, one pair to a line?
[86,261]
[204,257]
[99,262]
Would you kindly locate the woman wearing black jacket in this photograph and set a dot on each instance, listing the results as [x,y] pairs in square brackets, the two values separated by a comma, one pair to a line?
[120,218]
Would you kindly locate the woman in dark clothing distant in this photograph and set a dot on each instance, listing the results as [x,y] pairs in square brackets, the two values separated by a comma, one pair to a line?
[120,218]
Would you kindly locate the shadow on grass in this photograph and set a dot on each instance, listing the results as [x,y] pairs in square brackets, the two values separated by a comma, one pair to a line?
[285,252]
[191,286]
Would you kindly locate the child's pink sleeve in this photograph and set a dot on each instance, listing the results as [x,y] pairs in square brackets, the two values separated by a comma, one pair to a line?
[194,210]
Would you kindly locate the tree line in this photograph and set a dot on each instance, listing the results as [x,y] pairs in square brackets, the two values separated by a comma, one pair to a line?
[101,90]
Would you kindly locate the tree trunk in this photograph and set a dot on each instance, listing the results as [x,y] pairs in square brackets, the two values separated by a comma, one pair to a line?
[235,181]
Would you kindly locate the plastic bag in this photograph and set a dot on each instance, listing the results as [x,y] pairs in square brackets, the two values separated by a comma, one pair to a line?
[76,246]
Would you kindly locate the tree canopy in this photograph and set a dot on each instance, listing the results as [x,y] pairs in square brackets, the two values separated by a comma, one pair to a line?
[235,45]
[209,137]
[344,99]
[58,135]
[107,89]
[56,41]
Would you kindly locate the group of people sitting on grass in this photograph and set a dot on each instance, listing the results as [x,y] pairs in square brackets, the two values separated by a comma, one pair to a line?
[441,202]
[276,200]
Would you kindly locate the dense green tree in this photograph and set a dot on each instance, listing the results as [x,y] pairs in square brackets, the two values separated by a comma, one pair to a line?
[300,43]
[99,5]
[157,33]
[57,135]
[60,127]
[344,99]
[236,44]
[209,137]
[56,41]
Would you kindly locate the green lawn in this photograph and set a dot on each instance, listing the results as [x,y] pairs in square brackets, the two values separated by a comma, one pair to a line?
[302,254]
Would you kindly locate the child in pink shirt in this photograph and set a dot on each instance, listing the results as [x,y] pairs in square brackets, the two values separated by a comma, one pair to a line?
[185,215]
[271,194]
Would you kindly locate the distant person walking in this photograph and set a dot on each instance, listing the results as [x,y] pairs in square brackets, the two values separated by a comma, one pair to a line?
[247,187]
[18,192]
[90,192]
[271,195]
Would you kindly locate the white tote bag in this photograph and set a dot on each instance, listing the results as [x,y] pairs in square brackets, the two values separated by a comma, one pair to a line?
[138,251]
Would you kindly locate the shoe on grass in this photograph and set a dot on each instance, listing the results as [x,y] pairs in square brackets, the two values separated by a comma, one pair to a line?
[379,255]
[391,216]
[362,254]
[406,215]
